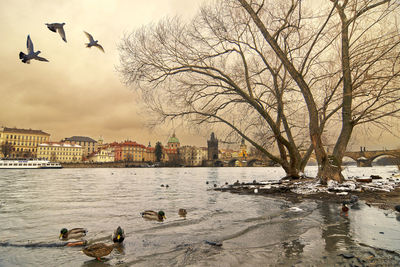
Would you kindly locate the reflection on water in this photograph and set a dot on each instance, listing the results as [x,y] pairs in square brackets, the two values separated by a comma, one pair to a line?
[253,230]
[336,227]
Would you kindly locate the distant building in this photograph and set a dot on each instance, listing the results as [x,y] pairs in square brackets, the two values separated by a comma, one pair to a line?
[192,156]
[129,151]
[212,146]
[24,142]
[89,145]
[171,152]
[227,153]
[149,154]
[243,150]
[103,154]
[60,152]
[173,142]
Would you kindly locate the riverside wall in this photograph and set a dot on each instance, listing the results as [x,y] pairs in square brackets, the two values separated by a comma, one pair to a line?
[106,165]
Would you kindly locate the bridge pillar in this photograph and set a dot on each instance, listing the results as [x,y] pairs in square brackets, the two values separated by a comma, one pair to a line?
[364,163]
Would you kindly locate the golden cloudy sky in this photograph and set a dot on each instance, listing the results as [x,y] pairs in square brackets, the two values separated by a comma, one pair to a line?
[79,91]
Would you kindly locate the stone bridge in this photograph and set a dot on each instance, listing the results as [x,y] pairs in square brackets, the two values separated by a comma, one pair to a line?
[365,158]
[242,162]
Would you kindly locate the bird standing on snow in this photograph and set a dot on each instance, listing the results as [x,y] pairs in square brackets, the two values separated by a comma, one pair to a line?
[92,42]
[57,27]
[26,58]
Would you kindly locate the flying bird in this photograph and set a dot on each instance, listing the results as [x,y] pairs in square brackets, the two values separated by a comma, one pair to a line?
[26,58]
[57,27]
[93,42]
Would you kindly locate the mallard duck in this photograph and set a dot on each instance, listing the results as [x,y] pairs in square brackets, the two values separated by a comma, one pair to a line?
[397,208]
[119,235]
[182,212]
[344,207]
[98,250]
[152,215]
[75,233]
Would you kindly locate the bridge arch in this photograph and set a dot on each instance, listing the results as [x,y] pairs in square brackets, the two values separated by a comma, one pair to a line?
[252,162]
[394,158]
[232,162]
[349,161]
[218,163]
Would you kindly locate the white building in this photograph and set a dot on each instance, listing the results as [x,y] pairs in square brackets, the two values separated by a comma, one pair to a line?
[104,154]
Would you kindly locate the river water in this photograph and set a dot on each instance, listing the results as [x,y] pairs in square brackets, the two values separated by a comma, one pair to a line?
[254,230]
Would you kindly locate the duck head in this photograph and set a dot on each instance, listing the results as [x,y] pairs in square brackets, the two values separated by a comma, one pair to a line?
[63,233]
[344,207]
[119,235]
[161,215]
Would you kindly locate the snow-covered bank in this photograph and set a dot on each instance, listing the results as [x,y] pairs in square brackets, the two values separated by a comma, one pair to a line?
[364,182]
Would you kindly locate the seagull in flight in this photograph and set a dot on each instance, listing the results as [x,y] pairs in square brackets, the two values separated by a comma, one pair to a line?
[92,42]
[57,27]
[31,53]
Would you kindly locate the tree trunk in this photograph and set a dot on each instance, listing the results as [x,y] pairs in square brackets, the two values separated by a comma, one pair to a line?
[347,123]
[292,171]
[329,171]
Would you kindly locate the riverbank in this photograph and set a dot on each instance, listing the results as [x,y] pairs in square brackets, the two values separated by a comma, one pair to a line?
[106,165]
[384,194]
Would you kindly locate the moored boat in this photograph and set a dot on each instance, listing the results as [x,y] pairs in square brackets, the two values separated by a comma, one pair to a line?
[28,164]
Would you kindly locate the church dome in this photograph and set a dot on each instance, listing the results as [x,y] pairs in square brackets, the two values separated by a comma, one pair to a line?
[173,139]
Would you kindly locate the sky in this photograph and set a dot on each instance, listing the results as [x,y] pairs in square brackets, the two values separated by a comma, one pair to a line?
[79,92]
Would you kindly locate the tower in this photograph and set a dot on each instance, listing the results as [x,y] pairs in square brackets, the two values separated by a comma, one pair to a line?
[212,145]
[243,149]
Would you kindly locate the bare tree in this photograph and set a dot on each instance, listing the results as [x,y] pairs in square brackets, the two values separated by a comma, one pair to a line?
[218,70]
[368,74]
[268,83]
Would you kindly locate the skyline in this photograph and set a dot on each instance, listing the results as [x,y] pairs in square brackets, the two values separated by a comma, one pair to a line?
[79,92]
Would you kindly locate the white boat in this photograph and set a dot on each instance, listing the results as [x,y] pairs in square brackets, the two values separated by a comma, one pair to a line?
[28,164]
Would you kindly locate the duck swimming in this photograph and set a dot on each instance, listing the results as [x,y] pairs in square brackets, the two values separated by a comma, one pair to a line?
[119,235]
[75,233]
[344,207]
[98,250]
[397,208]
[182,212]
[152,215]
